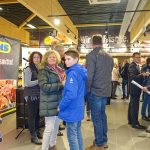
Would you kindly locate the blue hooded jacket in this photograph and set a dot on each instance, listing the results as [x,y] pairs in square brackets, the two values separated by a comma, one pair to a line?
[72,104]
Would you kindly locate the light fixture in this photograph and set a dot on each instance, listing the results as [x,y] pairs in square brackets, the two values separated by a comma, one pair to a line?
[1,8]
[106,31]
[56,21]
[31,26]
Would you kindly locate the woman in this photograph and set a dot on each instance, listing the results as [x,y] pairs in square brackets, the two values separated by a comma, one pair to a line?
[115,80]
[51,78]
[32,95]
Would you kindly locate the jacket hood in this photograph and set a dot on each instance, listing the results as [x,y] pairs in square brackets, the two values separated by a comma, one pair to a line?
[79,69]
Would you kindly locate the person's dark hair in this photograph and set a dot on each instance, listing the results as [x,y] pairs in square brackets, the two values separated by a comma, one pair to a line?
[136,53]
[74,54]
[148,61]
[97,40]
[31,57]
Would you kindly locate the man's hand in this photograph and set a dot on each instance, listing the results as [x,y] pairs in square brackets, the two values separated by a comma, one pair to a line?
[144,89]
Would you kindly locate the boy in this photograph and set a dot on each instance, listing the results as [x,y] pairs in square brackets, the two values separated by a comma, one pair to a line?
[71,107]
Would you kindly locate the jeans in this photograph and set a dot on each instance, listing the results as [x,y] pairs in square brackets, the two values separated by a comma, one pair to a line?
[33,115]
[146,105]
[125,88]
[74,135]
[99,118]
[50,132]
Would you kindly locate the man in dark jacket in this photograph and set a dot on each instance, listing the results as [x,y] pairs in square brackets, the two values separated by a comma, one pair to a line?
[124,75]
[135,92]
[99,67]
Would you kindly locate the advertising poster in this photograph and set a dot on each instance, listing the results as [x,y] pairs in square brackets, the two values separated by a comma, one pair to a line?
[9,64]
[7,96]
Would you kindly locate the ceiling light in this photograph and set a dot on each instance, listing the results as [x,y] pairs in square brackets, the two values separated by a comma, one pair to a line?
[1,8]
[106,31]
[56,21]
[31,26]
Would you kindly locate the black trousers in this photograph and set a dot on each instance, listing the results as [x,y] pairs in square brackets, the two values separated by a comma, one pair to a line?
[133,109]
[114,88]
[33,115]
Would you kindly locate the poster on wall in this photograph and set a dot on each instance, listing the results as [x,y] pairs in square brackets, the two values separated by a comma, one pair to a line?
[7,96]
[9,58]
[9,64]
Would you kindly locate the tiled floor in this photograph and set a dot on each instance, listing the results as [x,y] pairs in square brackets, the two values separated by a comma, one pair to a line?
[121,136]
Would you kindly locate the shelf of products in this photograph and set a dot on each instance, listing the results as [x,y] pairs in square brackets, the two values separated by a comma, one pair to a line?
[20,77]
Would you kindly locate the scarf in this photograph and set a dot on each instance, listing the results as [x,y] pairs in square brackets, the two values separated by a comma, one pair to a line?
[59,71]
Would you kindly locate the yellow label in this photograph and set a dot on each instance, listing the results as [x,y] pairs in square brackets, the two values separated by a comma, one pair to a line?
[5,47]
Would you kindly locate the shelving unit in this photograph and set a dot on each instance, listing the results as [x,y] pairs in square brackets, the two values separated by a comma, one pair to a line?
[20,77]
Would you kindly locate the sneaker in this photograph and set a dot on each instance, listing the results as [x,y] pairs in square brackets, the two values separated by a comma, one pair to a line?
[39,134]
[145,118]
[94,147]
[60,133]
[36,141]
[53,148]
[61,127]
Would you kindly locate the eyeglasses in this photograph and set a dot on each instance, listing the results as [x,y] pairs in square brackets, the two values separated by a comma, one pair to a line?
[138,57]
[36,57]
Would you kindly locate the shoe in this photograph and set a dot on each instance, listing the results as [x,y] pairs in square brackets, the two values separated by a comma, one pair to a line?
[94,147]
[145,118]
[138,126]
[53,148]
[39,135]
[60,133]
[123,98]
[61,127]
[105,146]
[36,141]
[113,98]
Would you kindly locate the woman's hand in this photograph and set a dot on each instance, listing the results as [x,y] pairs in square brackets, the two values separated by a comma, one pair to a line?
[63,82]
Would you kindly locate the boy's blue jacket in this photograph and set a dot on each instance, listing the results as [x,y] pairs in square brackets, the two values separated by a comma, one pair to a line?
[72,104]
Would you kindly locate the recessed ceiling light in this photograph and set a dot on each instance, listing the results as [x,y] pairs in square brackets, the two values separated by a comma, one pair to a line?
[31,26]
[56,21]
[1,8]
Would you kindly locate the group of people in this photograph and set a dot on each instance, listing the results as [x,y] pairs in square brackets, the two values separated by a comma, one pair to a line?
[54,94]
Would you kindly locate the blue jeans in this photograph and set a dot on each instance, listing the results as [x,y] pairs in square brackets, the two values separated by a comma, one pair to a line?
[74,135]
[99,118]
[146,105]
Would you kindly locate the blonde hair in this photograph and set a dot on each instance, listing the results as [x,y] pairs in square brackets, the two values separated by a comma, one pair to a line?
[45,57]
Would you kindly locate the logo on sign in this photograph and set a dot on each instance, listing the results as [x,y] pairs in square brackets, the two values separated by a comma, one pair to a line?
[5,47]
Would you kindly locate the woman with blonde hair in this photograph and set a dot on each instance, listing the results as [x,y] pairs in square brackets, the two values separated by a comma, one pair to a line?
[51,79]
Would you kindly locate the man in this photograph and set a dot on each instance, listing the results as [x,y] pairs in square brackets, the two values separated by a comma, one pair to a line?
[99,67]
[135,92]
[124,75]
[147,89]
[61,51]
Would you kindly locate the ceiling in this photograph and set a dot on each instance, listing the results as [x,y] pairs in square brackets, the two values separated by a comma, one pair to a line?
[83,15]
[93,14]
